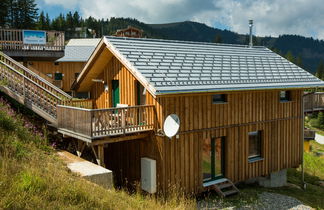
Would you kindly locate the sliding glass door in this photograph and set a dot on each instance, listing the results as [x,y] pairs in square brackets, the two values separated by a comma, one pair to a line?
[213,159]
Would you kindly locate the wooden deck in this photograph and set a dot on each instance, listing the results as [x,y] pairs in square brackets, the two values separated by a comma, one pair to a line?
[314,102]
[11,43]
[91,124]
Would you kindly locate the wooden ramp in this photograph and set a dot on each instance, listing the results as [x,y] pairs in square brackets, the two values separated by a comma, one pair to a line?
[30,89]
[223,187]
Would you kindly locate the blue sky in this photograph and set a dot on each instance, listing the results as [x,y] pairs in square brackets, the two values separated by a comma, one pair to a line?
[271,17]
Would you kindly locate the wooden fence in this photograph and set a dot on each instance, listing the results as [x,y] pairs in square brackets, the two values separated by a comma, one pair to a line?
[98,123]
[12,39]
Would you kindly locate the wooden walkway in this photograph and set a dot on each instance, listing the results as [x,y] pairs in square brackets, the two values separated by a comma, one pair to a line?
[314,102]
[73,117]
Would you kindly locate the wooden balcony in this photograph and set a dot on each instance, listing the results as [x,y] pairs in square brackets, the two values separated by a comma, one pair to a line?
[314,102]
[12,44]
[91,124]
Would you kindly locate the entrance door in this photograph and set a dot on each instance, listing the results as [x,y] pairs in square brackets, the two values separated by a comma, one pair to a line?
[115,93]
[213,159]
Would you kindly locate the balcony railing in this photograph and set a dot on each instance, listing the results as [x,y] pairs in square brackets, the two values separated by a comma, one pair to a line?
[314,102]
[98,123]
[12,39]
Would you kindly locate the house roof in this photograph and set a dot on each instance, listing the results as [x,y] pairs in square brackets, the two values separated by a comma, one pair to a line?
[78,50]
[180,66]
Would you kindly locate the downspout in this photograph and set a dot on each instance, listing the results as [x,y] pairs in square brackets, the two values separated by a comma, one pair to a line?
[302,142]
[304,185]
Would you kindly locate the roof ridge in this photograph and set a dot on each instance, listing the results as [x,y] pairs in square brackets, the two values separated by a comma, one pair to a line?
[181,41]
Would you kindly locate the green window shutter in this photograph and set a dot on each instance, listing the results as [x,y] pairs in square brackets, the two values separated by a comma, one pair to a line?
[115,93]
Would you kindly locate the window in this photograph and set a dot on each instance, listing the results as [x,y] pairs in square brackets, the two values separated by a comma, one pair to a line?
[56,63]
[284,96]
[58,76]
[255,145]
[219,98]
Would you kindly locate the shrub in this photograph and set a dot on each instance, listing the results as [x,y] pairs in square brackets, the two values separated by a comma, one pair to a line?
[314,122]
[321,120]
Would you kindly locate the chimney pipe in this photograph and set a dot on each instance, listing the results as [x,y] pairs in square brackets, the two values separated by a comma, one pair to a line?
[251,38]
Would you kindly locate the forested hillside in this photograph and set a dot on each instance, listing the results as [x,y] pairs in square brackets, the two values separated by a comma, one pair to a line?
[305,52]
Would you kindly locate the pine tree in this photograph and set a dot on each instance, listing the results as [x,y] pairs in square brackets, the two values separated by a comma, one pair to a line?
[320,71]
[218,38]
[13,14]
[299,61]
[47,22]
[76,19]
[41,23]
[69,21]
[4,7]
[289,56]
[321,119]
[27,14]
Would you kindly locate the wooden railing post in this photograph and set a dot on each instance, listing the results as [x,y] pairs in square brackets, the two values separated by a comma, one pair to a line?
[123,120]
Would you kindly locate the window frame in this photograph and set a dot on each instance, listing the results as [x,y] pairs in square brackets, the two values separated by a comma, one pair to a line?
[259,134]
[222,100]
[287,97]
[58,73]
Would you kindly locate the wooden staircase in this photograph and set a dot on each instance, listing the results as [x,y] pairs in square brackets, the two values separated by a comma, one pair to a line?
[30,89]
[223,187]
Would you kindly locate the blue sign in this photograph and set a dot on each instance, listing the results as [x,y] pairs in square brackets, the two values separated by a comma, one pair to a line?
[34,37]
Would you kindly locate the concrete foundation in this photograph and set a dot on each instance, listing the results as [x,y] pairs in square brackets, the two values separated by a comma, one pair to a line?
[90,171]
[275,179]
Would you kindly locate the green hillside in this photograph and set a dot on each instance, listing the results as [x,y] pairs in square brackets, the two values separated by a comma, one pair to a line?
[33,177]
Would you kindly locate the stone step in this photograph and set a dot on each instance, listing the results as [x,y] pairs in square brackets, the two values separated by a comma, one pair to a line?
[230,192]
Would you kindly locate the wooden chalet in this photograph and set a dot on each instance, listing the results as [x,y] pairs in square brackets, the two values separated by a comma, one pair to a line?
[130,31]
[240,110]
[62,72]
[12,43]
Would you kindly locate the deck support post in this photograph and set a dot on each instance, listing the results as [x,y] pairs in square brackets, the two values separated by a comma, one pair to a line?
[98,151]
[80,147]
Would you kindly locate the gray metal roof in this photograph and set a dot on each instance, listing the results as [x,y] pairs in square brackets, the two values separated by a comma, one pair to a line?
[181,66]
[79,50]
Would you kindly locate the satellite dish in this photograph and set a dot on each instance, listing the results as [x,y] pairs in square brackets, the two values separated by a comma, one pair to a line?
[171,125]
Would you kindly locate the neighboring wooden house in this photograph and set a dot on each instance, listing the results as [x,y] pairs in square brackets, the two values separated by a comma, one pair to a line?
[240,108]
[129,32]
[63,71]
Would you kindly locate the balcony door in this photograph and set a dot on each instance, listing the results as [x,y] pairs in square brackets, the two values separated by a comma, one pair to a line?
[213,158]
[115,93]
[140,94]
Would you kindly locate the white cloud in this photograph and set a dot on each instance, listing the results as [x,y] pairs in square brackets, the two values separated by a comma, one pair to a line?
[271,17]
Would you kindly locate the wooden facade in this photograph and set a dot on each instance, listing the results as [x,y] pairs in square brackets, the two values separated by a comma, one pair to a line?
[179,159]
[70,70]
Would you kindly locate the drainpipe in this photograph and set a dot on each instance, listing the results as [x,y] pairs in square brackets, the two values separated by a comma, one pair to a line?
[302,139]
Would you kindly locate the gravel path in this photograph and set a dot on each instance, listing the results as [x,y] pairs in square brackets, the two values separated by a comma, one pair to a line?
[266,201]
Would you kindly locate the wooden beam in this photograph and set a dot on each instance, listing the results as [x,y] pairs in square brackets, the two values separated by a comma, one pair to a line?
[80,147]
[99,154]
[108,140]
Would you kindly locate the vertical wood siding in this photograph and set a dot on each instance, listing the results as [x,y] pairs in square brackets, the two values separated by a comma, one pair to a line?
[67,68]
[179,160]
